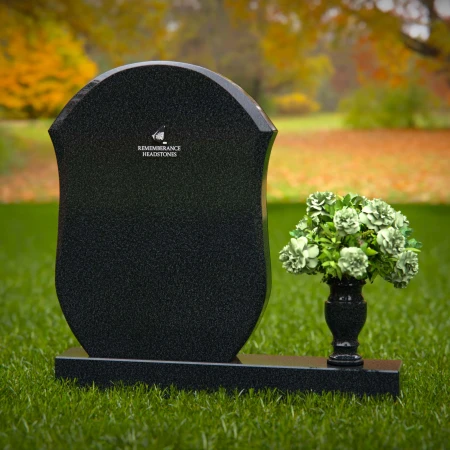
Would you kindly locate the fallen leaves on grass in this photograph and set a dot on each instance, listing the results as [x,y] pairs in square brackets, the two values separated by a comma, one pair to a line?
[37,181]
[399,166]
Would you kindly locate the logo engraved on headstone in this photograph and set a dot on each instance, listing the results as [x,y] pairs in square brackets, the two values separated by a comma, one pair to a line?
[158,136]
[159,151]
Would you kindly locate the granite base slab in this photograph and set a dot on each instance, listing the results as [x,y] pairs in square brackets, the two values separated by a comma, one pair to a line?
[286,373]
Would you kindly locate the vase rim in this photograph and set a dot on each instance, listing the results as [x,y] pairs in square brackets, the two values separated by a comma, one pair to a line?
[346,281]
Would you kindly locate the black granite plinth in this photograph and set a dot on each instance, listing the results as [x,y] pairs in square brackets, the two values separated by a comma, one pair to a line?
[287,373]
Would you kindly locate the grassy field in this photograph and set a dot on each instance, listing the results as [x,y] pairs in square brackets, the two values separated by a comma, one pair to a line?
[413,325]
[313,122]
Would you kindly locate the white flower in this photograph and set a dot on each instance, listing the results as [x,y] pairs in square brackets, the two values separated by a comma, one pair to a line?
[353,262]
[298,256]
[346,221]
[400,220]
[391,241]
[315,203]
[377,214]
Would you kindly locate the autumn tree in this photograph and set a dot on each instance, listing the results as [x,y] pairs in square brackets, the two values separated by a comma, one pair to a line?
[267,46]
[117,28]
[40,69]
[423,27]
[393,42]
[400,44]
[260,49]
[249,42]
[43,45]
[395,29]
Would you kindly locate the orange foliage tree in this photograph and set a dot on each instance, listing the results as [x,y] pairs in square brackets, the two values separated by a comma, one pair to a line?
[44,47]
[117,29]
[394,39]
[269,47]
[397,40]
[40,69]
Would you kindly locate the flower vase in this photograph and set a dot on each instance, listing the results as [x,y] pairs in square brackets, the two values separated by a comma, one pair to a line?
[345,314]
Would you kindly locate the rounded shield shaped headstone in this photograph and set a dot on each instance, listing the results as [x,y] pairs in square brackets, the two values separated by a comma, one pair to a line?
[162,240]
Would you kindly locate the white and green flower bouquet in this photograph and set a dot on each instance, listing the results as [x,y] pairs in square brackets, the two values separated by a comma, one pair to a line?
[352,237]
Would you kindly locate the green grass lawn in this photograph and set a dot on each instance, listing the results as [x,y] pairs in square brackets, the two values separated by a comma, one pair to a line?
[335,120]
[413,325]
[21,139]
[312,122]
[33,130]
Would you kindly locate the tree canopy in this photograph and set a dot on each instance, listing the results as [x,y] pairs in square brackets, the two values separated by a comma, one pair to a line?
[270,47]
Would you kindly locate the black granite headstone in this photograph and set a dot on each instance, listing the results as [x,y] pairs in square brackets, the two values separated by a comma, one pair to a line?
[162,244]
[162,267]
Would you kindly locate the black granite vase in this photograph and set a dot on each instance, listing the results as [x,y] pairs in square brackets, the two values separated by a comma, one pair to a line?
[345,313]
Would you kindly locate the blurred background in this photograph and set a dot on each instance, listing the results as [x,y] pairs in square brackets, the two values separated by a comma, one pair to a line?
[359,89]
[360,93]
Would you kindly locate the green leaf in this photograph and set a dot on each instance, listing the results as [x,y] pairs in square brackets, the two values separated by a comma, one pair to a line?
[414,243]
[326,231]
[370,251]
[406,231]
[372,275]
[347,199]
[350,241]
[357,200]
[412,249]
